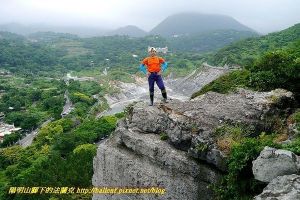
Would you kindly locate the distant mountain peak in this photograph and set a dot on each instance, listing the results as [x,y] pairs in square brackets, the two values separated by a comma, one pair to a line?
[193,23]
[129,30]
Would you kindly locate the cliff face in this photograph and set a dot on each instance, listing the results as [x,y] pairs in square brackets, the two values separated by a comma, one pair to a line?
[190,159]
[133,159]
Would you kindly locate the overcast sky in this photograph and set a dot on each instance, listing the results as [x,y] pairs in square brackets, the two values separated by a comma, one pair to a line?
[262,15]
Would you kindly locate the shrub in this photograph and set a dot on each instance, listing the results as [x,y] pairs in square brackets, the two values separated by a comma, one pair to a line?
[294,146]
[239,182]
[278,69]
[230,134]
[10,139]
[120,115]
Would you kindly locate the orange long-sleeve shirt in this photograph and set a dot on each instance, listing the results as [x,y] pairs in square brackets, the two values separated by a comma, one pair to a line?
[153,63]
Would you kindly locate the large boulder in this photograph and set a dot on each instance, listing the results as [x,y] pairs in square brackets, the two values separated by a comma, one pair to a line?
[274,162]
[282,188]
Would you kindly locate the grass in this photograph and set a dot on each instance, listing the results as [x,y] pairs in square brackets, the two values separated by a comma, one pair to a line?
[226,83]
[74,48]
[228,135]
[164,136]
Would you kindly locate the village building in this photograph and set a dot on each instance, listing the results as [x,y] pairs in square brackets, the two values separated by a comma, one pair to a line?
[6,129]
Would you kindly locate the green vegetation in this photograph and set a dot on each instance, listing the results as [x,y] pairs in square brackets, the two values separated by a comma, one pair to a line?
[294,146]
[61,155]
[279,69]
[10,139]
[295,118]
[54,54]
[163,136]
[33,92]
[242,148]
[229,134]
[275,69]
[270,62]
[244,52]
[207,41]
[21,55]
[120,76]
[226,83]
[120,115]
[201,147]
[81,95]
[239,182]
[29,101]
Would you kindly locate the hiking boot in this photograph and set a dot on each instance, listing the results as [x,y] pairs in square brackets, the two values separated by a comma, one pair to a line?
[165,100]
[151,103]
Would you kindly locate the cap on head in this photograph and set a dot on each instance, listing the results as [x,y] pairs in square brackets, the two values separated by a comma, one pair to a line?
[151,49]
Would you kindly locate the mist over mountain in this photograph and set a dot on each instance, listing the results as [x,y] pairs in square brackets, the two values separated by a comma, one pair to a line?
[129,30]
[29,29]
[192,23]
[178,24]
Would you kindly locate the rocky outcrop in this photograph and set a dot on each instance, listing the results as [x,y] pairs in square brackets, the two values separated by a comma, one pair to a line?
[131,159]
[190,159]
[275,162]
[282,188]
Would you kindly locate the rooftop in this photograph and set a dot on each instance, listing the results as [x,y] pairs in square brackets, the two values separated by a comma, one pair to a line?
[7,129]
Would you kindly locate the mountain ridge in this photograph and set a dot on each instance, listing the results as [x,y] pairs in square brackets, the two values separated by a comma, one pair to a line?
[130,30]
[172,24]
[191,23]
[244,51]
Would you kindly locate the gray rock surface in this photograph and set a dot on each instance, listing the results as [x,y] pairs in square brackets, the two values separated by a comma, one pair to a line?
[131,159]
[274,162]
[196,80]
[282,188]
[135,156]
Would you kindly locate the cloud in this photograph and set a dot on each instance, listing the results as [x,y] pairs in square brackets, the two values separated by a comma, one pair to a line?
[261,15]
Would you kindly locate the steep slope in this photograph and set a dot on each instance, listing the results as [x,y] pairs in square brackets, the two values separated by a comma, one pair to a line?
[249,49]
[4,35]
[51,37]
[208,41]
[191,23]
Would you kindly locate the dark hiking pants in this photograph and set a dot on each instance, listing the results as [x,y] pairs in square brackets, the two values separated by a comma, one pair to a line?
[154,77]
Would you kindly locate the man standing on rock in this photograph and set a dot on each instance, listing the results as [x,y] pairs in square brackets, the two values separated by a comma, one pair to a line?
[154,71]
